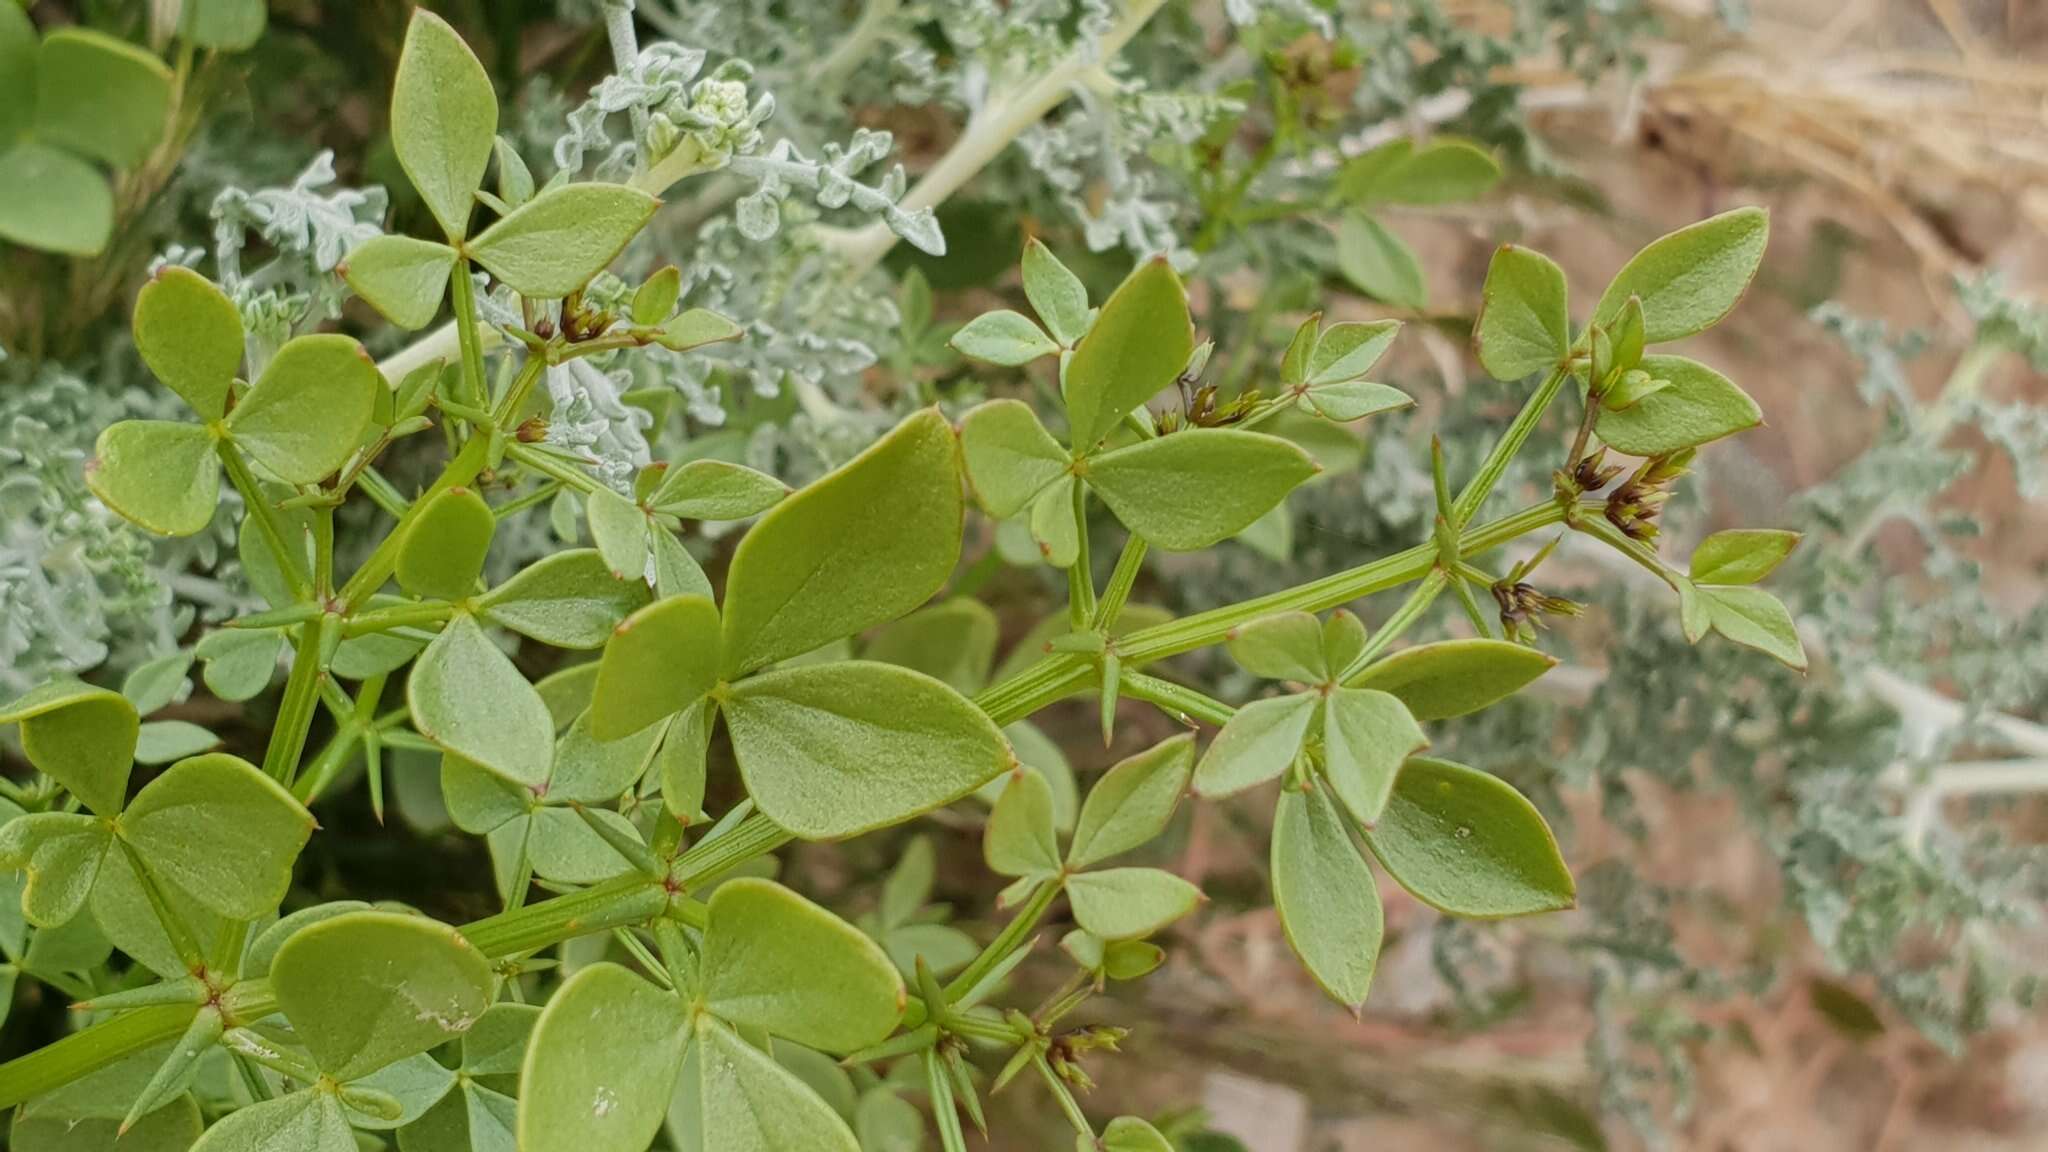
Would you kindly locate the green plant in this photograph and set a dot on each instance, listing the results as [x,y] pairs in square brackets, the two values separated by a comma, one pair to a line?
[290,1030]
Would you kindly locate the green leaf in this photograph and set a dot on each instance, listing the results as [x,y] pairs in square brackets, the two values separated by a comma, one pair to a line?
[953,642]
[1198,486]
[1741,555]
[659,661]
[553,244]
[863,545]
[442,551]
[1128,1134]
[1523,325]
[1366,735]
[62,852]
[478,800]
[162,741]
[1466,843]
[263,949]
[1005,337]
[1349,350]
[716,490]
[1454,677]
[602,1063]
[1343,639]
[696,328]
[1138,345]
[1256,745]
[1010,456]
[1283,646]
[221,830]
[681,761]
[1701,405]
[621,531]
[161,476]
[57,202]
[567,600]
[190,335]
[830,750]
[1053,525]
[157,683]
[1445,170]
[401,277]
[86,1115]
[308,411]
[417,1083]
[309,1120]
[566,849]
[1755,619]
[1328,903]
[467,697]
[444,118]
[1691,278]
[1126,903]
[676,572]
[1349,400]
[365,989]
[1379,263]
[655,300]
[737,1099]
[102,97]
[777,962]
[17,73]
[80,736]
[1020,839]
[590,771]
[1056,294]
[1132,802]
[226,25]
[126,913]
[237,664]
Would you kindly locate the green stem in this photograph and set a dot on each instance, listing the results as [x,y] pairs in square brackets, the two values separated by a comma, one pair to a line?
[1599,529]
[1406,615]
[1013,934]
[1080,581]
[552,466]
[1511,442]
[1129,563]
[464,291]
[462,469]
[398,616]
[290,560]
[301,700]
[1178,700]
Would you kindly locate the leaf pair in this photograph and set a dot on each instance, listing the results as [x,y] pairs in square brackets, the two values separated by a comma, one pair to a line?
[1440,171]
[1717,593]
[635,536]
[1326,367]
[303,419]
[1127,808]
[611,1050]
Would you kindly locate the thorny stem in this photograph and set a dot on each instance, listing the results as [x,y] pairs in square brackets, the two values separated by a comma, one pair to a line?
[1177,700]
[1128,564]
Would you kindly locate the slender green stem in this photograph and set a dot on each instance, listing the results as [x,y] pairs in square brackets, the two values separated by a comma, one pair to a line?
[398,616]
[1066,1099]
[552,466]
[54,1065]
[1406,615]
[381,492]
[290,560]
[462,469]
[301,700]
[1178,700]
[476,387]
[1129,563]
[1511,442]
[1599,529]
[1080,581]
[1013,934]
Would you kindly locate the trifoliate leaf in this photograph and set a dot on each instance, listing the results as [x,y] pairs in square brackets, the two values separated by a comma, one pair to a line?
[401,277]
[102,97]
[1347,351]
[1126,903]
[1523,325]
[62,853]
[80,736]
[308,410]
[1700,406]
[552,245]
[218,828]
[442,551]
[467,697]
[1690,279]
[1283,646]
[1010,456]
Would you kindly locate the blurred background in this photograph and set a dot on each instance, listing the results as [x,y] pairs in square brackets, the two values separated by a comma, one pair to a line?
[1810,905]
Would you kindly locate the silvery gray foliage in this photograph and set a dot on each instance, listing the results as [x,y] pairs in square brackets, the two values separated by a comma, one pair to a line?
[590,419]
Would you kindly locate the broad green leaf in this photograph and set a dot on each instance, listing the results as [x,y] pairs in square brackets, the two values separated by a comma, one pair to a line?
[655,300]
[162,741]
[365,989]
[830,750]
[1257,744]
[695,328]
[103,97]
[1454,677]
[1126,903]
[589,771]
[1348,350]
[1741,555]
[417,1083]
[472,1118]
[263,949]
[1056,294]
[1271,535]
[1691,278]
[478,800]
[1349,400]
[885,1122]
[1445,170]
[1523,325]
[442,551]
[308,411]
[1037,751]
[1379,263]
[237,663]
[676,572]
[716,490]
[128,918]
[1328,902]
[567,692]
[680,762]
[467,697]
[1010,456]
[1344,638]
[157,683]
[309,1120]
[1053,524]
[1755,619]
[863,545]
[1127,1134]
[1198,486]
[401,277]
[740,1100]
[621,531]
[227,25]
[56,201]
[62,852]
[601,1064]
[1701,405]
[190,335]
[1366,735]
[1005,338]
[157,474]
[1132,802]
[80,736]
[221,830]
[659,661]
[953,642]
[1020,839]
[1140,341]
[565,849]
[777,962]
[553,244]
[1283,646]
[565,600]
[1466,843]
[444,118]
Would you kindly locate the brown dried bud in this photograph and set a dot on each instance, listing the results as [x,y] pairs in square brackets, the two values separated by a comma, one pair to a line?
[532,430]
[1592,472]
